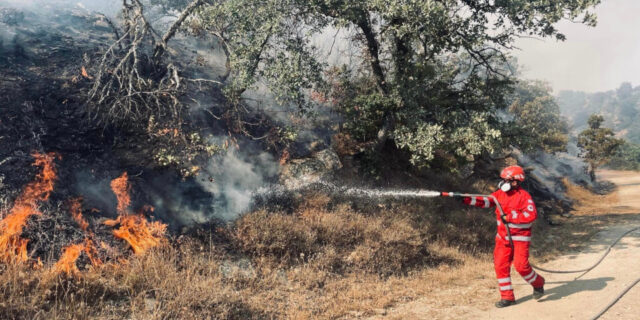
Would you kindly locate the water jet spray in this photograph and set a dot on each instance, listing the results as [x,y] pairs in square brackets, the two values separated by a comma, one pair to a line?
[427,194]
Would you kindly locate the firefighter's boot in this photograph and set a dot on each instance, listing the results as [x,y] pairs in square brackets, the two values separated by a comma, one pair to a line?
[505,303]
[538,293]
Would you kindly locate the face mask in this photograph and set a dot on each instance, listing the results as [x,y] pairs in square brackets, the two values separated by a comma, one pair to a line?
[504,186]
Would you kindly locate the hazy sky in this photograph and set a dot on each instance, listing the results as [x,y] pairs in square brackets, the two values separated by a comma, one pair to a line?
[591,59]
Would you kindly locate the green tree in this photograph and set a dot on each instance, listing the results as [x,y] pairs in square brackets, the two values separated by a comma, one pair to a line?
[267,42]
[437,69]
[626,158]
[598,144]
[537,124]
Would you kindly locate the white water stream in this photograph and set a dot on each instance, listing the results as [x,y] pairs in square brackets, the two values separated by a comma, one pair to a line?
[396,193]
[331,188]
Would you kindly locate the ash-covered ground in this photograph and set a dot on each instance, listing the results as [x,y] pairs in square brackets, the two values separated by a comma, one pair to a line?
[46,59]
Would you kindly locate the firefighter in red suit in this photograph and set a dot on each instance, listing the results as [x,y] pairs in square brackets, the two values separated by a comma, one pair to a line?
[520,213]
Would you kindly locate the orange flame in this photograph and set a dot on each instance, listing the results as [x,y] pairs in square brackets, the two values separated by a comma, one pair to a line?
[89,248]
[67,262]
[135,229]
[285,157]
[85,74]
[12,247]
[120,187]
[141,234]
[92,252]
[75,206]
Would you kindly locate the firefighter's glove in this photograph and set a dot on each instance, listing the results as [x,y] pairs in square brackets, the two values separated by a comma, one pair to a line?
[503,218]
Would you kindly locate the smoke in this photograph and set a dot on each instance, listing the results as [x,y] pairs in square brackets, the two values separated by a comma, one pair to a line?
[550,169]
[95,191]
[25,24]
[233,179]
[106,7]
[337,47]
[224,189]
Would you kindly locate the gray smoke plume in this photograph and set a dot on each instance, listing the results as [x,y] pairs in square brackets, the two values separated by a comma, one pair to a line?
[233,179]
[106,7]
[550,169]
[223,189]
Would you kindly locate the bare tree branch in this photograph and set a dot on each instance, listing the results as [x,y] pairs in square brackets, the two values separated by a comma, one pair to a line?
[162,46]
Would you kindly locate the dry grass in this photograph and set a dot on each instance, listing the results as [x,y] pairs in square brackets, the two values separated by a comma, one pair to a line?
[591,213]
[589,203]
[336,241]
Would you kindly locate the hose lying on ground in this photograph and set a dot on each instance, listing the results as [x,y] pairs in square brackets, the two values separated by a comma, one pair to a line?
[614,301]
[586,270]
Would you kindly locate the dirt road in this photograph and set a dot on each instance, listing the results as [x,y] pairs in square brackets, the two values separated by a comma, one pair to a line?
[567,297]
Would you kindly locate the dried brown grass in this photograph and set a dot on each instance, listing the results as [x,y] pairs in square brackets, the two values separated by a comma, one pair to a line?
[338,241]
[591,213]
[589,203]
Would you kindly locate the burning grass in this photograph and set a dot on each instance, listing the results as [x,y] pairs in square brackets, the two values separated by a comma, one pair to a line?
[136,230]
[139,233]
[326,260]
[12,247]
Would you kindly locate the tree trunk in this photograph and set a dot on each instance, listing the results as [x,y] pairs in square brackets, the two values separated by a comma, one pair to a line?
[591,170]
[373,48]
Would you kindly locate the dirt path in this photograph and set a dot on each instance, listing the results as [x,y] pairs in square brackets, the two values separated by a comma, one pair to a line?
[567,298]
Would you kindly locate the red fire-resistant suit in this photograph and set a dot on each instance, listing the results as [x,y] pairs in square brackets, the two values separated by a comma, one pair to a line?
[520,213]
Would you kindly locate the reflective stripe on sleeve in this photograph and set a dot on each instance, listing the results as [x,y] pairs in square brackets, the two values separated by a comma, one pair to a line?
[473,201]
[504,280]
[498,221]
[486,202]
[505,288]
[520,226]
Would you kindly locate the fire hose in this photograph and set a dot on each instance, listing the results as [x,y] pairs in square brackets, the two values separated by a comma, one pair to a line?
[585,270]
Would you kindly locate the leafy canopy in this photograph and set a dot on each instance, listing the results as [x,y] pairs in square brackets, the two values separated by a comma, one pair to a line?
[437,71]
[537,123]
[627,157]
[429,77]
[598,144]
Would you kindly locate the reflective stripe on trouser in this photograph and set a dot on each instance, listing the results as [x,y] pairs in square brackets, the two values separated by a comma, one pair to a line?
[503,257]
[517,226]
[514,238]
